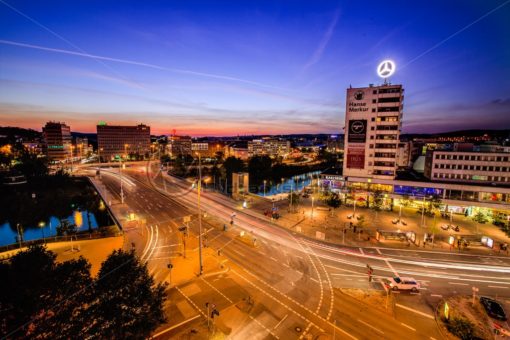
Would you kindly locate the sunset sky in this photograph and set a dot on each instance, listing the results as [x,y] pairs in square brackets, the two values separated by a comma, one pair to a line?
[245,67]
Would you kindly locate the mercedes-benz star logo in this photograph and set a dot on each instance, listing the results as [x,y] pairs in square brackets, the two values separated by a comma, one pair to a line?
[357,127]
[386,69]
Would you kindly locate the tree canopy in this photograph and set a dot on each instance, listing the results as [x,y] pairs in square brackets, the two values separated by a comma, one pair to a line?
[40,298]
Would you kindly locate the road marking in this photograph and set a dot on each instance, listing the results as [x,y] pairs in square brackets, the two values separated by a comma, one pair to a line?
[272,258]
[458,283]
[411,328]
[279,323]
[391,267]
[286,265]
[313,279]
[415,311]
[369,325]
[264,327]
[149,241]
[436,295]
[190,301]
[361,251]
[338,274]
[432,338]
[210,285]
[498,287]
[175,326]
[378,250]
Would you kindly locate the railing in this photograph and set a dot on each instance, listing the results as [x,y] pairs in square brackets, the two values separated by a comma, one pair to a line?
[53,239]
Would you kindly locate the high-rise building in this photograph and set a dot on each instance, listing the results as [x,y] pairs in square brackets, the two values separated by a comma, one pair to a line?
[373,120]
[57,141]
[128,141]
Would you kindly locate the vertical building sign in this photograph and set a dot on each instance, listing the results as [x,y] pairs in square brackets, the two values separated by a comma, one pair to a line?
[355,158]
[357,131]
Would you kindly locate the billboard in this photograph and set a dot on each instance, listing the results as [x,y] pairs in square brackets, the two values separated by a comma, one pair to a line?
[355,158]
[357,131]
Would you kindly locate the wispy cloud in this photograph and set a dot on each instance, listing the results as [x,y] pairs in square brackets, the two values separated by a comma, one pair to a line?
[137,63]
[317,54]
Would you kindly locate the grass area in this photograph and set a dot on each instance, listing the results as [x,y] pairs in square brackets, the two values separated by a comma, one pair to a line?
[466,321]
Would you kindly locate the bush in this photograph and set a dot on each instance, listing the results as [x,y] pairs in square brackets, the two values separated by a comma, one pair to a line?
[461,327]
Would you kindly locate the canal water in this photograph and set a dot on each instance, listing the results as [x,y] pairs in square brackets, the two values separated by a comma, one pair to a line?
[294,183]
[8,233]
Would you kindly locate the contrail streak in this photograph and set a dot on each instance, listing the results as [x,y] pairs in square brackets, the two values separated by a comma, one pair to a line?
[455,34]
[132,62]
[66,41]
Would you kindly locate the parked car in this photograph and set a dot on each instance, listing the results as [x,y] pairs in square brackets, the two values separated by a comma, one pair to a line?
[493,308]
[404,283]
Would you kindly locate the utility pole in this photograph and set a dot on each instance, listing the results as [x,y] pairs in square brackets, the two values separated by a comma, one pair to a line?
[200,216]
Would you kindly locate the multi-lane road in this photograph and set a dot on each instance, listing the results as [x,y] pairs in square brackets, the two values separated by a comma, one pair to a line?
[292,281]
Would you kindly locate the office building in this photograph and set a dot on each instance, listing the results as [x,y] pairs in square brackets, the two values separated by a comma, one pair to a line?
[57,141]
[116,141]
[268,146]
[373,120]
[489,168]
[179,145]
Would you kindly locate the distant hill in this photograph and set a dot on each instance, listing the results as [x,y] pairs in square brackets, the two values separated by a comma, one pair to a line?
[9,134]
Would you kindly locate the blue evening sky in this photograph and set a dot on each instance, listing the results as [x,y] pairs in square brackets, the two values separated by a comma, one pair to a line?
[246,67]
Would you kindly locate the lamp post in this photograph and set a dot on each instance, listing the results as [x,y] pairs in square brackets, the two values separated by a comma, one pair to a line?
[265,188]
[282,184]
[312,208]
[353,204]
[72,147]
[199,214]
[42,225]
[99,153]
[126,146]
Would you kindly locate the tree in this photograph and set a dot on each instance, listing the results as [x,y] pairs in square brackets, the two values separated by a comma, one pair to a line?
[433,204]
[66,228]
[293,198]
[42,299]
[259,168]
[231,165]
[219,156]
[378,198]
[333,201]
[129,304]
[480,217]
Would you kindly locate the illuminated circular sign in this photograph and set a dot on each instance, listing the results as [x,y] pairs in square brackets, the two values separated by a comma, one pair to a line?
[357,126]
[386,69]
[359,95]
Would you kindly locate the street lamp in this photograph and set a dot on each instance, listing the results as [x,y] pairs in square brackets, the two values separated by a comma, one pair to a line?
[42,225]
[312,208]
[282,184]
[265,188]
[120,177]
[199,214]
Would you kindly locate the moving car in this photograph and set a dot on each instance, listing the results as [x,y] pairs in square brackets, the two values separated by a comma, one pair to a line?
[404,283]
[493,308]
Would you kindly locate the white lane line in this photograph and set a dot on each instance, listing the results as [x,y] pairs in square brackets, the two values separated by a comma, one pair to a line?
[148,244]
[369,325]
[190,301]
[313,279]
[264,327]
[286,265]
[279,323]
[210,285]
[378,250]
[411,328]
[498,287]
[361,251]
[415,311]
[436,295]
[272,258]
[339,274]
[391,267]
[458,283]
[175,326]
[155,242]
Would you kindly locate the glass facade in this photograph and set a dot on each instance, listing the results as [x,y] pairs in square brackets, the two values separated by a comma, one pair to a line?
[417,191]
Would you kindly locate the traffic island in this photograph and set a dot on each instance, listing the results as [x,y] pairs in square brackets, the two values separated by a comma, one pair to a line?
[461,317]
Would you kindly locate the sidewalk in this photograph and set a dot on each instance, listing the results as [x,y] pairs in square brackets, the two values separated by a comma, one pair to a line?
[328,225]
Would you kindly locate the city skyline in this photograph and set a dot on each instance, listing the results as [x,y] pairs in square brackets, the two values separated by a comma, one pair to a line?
[268,68]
